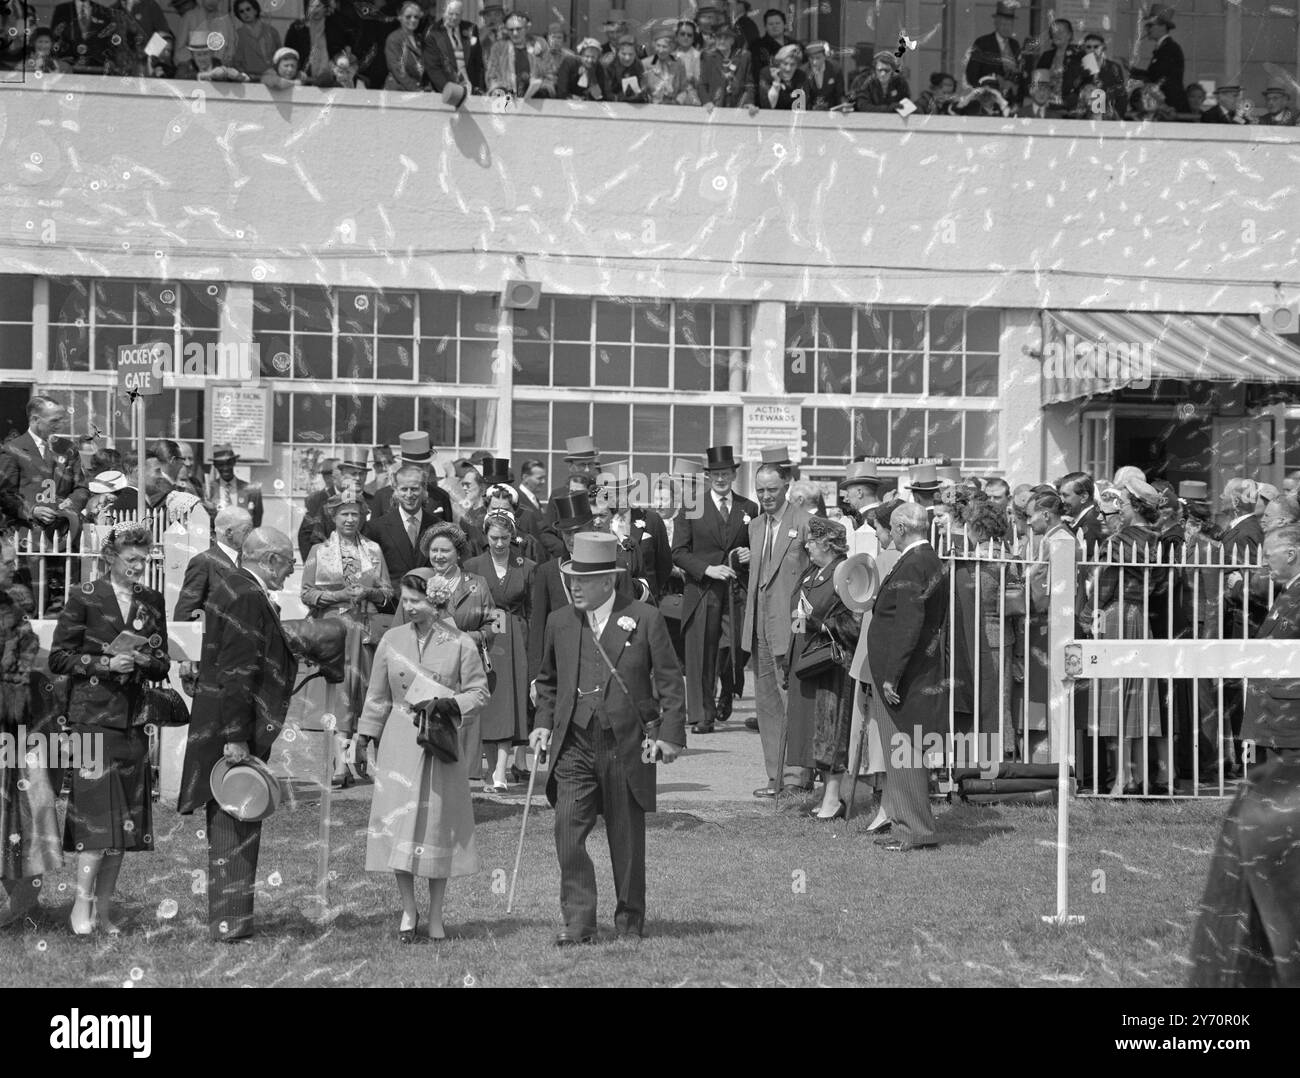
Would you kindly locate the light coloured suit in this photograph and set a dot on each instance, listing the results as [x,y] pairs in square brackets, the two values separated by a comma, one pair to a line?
[772,581]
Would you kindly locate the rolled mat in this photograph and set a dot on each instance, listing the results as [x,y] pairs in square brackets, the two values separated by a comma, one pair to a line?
[1007,770]
[1006,786]
[1041,797]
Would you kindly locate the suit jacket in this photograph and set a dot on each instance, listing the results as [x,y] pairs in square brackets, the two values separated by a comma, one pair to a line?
[36,481]
[399,555]
[644,658]
[246,677]
[649,538]
[708,540]
[90,622]
[567,84]
[779,577]
[529,501]
[440,56]
[823,97]
[1243,541]
[437,502]
[501,73]
[70,44]
[201,575]
[905,641]
[791,96]
[985,58]
[729,83]
[1166,71]
[1072,73]
[247,496]
[1272,714]
[1089,528]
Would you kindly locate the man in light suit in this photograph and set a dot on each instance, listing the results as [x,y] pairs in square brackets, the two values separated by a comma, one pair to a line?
[905,650]
[777,559]
[398,531]
[609,699]
[224,489]
[246,678]
[210,566]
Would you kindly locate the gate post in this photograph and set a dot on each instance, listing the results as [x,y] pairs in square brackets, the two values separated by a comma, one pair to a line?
[1062,579]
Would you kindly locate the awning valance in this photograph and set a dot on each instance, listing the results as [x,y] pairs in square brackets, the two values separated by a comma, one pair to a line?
[1090,352]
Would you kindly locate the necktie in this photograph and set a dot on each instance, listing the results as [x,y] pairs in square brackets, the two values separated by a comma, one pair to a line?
[725,505]
[595,629]
[411,531]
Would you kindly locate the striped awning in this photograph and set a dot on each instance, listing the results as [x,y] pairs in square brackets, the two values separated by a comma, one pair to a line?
[1091,352]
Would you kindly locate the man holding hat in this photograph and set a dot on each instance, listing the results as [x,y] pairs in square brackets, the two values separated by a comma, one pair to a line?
[414,449]
[583,459]
[702,549]
[1166,67]
[226,490]
[246,677]
[997,55]
[1277,100]
[609,704]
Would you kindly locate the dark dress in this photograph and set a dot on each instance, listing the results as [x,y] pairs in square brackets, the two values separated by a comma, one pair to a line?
[505,717]
[111,809]
[820,709]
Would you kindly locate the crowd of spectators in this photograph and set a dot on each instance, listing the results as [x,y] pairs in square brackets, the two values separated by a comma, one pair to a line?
[731,59]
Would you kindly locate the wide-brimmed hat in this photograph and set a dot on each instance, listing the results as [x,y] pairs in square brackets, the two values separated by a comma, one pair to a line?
[923,477]
[718,457]
[224,451]
[594,554]
[862,473]
[948,473]
[616,482]
[582,448]
[109,483]
[1268,492]
[815,48]
[1232,88]
[856,580]
[1009,10]
[496,470]
[345,500]
[1192,490]
[415,448]
[1163,15]
[454,94]
[1142,491]
[354,464]
[246,790]
[572,510]
[1277,90]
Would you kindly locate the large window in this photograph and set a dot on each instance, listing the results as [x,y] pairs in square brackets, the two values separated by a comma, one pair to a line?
[15,322]
[91,318]
[317,417]
[649,435]
[320,334]
[837,435]
[619,344]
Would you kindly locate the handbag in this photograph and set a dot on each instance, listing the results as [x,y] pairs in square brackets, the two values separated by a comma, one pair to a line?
[819,656]
[437,729]
[161,706]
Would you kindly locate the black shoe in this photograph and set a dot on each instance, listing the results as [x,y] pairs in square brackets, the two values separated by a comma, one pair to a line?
[519,774]
[341,782]
[702,728]
[765,791]
[569,937]
[751,724]
[411,935]
[632,928]
[902,845]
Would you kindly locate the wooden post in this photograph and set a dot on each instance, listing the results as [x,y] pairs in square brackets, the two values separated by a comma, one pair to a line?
[142,502]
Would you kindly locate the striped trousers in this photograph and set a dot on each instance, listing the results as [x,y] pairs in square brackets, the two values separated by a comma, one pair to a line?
[906,800]
[233,846]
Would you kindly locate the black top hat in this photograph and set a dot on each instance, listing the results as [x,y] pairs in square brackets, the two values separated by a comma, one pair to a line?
[719,456]
[496,470]
[572,511]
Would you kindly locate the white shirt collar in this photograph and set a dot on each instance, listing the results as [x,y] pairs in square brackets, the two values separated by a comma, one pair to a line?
[41,443]
[230,552]
[600,616]
[717,499]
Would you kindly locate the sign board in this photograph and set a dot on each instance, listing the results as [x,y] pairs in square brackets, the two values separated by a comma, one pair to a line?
[904,462]
[240,416]
[773,424]
[139,369]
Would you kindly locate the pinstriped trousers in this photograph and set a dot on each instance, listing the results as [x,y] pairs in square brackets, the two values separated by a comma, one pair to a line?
[590,781]
[233,846]
[906,799]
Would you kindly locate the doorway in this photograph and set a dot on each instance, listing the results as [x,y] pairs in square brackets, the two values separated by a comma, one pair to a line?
[13,410]
[1165,447]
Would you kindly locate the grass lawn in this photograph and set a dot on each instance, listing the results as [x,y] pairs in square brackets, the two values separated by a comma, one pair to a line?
[737,896]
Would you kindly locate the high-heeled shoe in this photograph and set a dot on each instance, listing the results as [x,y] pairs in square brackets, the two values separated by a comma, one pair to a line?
[412,934]
[88,927]
[839,814]
[879,826]
[341,782]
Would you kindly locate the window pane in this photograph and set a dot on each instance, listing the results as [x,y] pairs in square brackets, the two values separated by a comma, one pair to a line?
[107,342]
[16,347]
[693,324]
[356,357]
[694,368]
[437,359]
[438,418]
[155,304]
[271,305]
[945,375]
[870,432]
[572,365]
[16,298]
[613,321]
[572,319]
[945,435]
[533,325]
[945,329]
[395,416]
[312,310]
[982,329]
[396,313]
[723,316]
[531,434]
[651,368]
[437,314]
[71,348]
[652,321]
[478,318]
[68,300]
[650,428]
[396,360]
[873,372]
[873,330]
[313,417]
[273,354]
[834,436]
[834,371]
[906,369]
[835,327]
[722,425]
[201,305]
[478,424]
[356,312]
[908,330]
[189,415]
[476,362]
[113,302]
[532,364]
[908,434]
[800,369]
[312,358]
[798,327]
[982,436]
[568,420]
[690,430]
[280,416]
[981,376]
[610,429]
[721,366]
[613,365]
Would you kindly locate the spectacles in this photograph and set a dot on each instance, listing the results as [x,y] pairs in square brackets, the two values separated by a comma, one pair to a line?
[1093,46]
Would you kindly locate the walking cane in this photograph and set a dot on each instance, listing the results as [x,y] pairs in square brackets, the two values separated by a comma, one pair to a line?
[538,760]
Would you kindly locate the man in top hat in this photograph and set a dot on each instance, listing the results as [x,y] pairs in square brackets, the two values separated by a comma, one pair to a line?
[639,529]
[246,677]
[702,549]
[583,459]
[1277,101]
[226,489]
[923,482]
[398,530]
[550,592]
[414,449]
[776,557]
[1226,108]
[1166,67]
[609,704]
[997,54]
[453,53]
[492,17]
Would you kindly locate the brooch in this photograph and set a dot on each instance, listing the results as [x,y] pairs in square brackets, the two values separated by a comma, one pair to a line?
[793,533]
[745,519]
[626,624]
[640,524]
